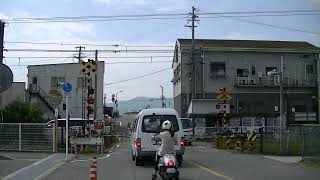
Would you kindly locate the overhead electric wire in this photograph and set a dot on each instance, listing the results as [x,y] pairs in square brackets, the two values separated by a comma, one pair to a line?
[83,44]
[137,77]
[278,27]
[107,63]
[66,57]
[100,50]
[155,16]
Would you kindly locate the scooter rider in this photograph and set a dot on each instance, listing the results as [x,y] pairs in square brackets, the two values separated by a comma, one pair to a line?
[168,141]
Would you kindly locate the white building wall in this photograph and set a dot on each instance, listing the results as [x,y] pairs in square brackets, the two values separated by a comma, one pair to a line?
[15,92]
[71,72]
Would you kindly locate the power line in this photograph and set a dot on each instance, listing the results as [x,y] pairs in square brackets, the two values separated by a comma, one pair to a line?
[109,63]
[100,50]
[66,57]
[82,44]
[277,26]
[138,77]
[155,16]
[259,15]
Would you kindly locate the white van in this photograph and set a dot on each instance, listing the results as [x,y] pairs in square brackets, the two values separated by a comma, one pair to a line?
[187,130]
[146,124]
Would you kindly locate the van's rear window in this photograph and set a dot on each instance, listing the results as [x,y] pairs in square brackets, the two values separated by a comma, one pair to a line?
[153,123]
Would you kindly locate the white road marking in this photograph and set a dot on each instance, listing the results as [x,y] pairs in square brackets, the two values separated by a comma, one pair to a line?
[11,158]
[83,160]
[27,167]
[211,171]
[46,173]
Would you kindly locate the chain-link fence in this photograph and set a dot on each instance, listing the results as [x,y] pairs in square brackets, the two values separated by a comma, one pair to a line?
[26,137]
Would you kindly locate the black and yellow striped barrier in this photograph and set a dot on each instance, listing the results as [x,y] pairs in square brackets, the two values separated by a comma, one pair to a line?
[251,138]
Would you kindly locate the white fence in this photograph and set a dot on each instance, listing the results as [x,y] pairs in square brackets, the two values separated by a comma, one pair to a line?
[26,137]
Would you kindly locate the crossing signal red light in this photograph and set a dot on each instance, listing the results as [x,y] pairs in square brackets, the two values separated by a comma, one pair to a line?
[90,101]
[90,110]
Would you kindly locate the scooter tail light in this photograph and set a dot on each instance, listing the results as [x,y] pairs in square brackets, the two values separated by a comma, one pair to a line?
[182,142]
[170,164]
[138,142]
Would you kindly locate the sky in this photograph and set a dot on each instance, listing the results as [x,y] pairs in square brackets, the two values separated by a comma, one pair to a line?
[162,32]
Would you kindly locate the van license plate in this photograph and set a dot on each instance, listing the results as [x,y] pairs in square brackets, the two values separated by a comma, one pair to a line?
[171,170]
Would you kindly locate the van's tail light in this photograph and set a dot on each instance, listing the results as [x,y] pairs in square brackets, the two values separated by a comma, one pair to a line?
[182,142]
[170,164]
[138,142]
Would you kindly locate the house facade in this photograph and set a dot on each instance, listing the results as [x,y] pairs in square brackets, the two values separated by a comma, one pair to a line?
[43,78]
[241,67]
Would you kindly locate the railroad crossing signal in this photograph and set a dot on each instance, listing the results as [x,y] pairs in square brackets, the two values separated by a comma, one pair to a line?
[224,95]
[88,67]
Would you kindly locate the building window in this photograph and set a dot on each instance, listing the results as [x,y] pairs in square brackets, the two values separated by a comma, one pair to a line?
[218,69]
[253,70]
[309,69]
[56,80]
[34,80]
[242,72]
[300,108]
[268,69]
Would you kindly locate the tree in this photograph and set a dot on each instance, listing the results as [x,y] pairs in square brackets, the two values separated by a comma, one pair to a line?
[22,112]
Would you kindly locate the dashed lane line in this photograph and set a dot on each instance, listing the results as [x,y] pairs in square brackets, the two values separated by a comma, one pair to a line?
[210,171]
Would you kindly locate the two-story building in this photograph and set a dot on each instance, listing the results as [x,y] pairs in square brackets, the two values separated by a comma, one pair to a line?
[43,78]
[242,66]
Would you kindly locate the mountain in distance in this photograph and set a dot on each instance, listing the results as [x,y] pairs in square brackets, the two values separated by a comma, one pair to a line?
[139,103]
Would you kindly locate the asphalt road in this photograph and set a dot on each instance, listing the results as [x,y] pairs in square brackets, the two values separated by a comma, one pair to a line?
[200,163]
[13,161]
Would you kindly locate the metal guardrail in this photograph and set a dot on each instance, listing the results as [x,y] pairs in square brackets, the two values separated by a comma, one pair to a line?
[26,137]
[264,80]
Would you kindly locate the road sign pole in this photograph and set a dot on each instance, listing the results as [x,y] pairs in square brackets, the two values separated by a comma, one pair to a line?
[67,126]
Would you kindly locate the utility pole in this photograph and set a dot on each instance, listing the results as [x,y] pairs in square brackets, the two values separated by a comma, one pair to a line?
[193,20]
[162,97]
[1,40]
[79,55]
[95,85]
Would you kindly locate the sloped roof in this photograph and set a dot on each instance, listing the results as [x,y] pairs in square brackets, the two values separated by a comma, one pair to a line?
[254,44]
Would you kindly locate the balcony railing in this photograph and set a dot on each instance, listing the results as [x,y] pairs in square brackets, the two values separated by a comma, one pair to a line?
[306,81]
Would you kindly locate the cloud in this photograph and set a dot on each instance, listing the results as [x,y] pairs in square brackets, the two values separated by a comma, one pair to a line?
[159,6]
[241,36]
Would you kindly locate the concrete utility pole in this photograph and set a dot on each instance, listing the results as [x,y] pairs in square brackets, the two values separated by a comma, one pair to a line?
[96,86]
[79,56]
[1,40]
[193,20]
[162,97]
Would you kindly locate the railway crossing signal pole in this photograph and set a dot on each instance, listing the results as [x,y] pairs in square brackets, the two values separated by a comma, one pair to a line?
[1,40]
[96,86]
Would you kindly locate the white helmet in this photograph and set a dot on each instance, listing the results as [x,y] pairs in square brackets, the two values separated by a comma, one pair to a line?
[166,125]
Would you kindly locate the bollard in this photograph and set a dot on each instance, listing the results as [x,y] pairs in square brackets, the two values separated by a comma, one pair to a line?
[93,172]
[76,151]
[93,169]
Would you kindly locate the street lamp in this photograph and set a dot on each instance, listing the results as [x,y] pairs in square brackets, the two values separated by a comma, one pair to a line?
[272,73]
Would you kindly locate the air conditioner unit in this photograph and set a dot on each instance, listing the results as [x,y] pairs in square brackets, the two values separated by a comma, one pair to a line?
[253,82]
[276,80]
[243,81]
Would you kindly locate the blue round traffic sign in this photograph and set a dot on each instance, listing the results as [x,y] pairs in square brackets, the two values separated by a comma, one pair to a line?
[67,87]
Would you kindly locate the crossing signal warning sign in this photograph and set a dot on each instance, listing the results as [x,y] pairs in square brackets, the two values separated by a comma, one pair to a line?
[88,67]
[224,95]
